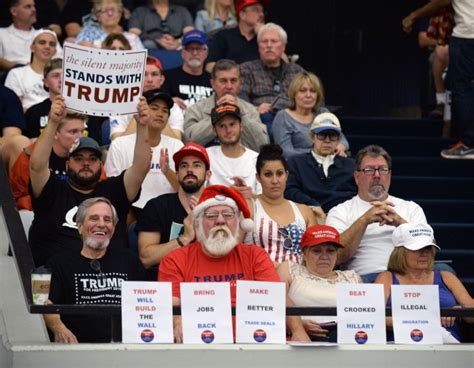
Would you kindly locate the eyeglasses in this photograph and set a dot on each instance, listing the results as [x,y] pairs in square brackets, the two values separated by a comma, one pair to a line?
[277,87]
[287,241]
[213,215]
[95,265]
[332,136]
[198,49]
[108,11]
[370,171]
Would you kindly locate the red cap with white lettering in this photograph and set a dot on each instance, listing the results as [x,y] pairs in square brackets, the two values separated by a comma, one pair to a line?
[320,234]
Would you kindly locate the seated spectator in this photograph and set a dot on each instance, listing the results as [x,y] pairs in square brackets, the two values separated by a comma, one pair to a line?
[154,79]
[108,13]
[12,119]
[280,223]
[411,263]
[291,126]
[217,14]
[116,41]
[69,130]
[15,40]
[313,283]
[160,179]
[225,80]
[218,252]
[265,81]
[166,222]
[320,177]
[27,81]
[91,275]
[160,24]
[366,221]
[239,43]
[190,83]
[37,115]
[55,202]
[232,164]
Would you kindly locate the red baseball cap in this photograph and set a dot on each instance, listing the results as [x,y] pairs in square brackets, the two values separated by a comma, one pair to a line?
[241,4]
[191,149]
[320,234]
[151,60]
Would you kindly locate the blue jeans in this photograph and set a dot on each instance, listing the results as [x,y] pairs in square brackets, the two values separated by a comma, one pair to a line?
[460,80]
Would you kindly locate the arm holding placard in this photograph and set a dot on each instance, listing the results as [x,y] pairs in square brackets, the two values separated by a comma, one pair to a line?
[136,173]
[177,323]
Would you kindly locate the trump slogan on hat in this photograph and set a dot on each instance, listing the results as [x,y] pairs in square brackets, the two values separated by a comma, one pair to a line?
[102,82]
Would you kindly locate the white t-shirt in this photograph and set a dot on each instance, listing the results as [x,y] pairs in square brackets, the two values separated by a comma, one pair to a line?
[463,18]
[120,158]
[27,84]
[119,124]
[15,44]
[223,168]
[376,244]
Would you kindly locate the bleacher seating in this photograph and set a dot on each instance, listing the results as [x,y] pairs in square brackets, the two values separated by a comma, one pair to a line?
[444,188]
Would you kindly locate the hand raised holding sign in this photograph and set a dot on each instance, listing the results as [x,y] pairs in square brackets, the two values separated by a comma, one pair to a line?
[58,110]
[143,116]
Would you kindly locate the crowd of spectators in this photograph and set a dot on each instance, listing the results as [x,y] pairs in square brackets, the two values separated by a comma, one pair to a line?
[233,164]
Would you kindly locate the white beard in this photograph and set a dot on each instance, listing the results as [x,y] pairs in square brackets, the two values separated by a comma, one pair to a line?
[219,242]
[96,245]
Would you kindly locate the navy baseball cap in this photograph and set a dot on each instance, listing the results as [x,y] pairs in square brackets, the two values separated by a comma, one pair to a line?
[194,36]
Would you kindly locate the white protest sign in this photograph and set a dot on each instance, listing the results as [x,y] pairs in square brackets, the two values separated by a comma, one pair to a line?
[360,314]
[206,313]
[260,312]
[102,82]
[416,316]
[147,312]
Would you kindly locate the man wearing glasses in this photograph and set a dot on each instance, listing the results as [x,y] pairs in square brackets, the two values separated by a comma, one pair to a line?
[218,256]
[366,221]
[320,178]
[190,83]
[92,276]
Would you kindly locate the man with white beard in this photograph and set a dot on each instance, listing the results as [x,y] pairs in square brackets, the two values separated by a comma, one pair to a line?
[93,276]
[217,256]
[366,221]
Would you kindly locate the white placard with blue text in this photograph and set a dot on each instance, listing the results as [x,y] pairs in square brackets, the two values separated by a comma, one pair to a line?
[260,312]
[360,314]
[416,315]
[147,312]
[206,313]
[102,82]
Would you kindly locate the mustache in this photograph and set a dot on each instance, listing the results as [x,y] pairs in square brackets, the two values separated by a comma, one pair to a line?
[213,232]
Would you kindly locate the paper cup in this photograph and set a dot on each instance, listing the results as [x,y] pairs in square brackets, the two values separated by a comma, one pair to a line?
[40,283]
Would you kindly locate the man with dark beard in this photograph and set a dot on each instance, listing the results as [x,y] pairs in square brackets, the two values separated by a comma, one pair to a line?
[217,255]
[93,275]
[55,202]
[166,222]
[366,221]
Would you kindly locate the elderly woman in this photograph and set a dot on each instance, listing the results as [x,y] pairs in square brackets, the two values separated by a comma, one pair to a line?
[411,263]
[313,283]
[291,125]
[108,13]
[280,223]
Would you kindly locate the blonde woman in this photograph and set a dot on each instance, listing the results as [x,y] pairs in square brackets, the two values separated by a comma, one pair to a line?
[217,14]
[291,126]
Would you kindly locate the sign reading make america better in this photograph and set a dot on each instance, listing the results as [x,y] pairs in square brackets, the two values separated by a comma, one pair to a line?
[102,82]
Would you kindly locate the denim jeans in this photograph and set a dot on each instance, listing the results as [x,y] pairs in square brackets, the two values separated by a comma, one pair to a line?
[460,81]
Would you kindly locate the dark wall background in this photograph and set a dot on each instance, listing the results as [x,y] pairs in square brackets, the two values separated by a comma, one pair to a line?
[368,65]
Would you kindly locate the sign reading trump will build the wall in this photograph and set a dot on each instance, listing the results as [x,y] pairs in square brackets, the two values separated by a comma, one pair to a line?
[102,82]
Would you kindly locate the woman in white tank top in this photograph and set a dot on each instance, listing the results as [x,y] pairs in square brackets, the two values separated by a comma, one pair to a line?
[279,223]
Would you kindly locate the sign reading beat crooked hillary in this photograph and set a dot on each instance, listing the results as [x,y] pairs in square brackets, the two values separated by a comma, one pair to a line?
[416,314]
[147,312]
[260,312]
[102,82]
[360,314]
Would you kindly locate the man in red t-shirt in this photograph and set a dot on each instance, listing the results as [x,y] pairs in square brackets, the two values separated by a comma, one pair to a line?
[217,256]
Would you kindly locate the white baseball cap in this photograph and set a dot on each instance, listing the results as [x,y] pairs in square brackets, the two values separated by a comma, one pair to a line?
[413,236]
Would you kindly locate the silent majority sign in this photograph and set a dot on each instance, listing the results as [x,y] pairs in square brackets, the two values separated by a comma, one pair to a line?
[102,82]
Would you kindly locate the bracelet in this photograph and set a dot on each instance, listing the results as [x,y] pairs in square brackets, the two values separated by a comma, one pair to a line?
[179,241]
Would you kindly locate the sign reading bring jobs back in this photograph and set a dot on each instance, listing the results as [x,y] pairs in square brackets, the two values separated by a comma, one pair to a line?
[102,82]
